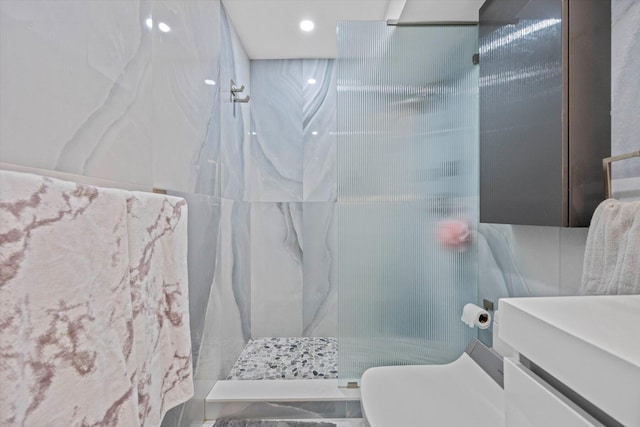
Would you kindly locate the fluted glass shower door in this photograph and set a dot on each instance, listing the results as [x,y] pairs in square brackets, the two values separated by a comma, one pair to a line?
[407,207]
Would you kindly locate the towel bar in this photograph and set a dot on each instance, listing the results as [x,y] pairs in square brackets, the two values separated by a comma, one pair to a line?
[606,167]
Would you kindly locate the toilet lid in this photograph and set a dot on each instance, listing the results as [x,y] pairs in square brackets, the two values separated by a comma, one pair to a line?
[456,394]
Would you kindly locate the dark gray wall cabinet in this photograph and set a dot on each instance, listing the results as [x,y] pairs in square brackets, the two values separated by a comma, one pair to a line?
[545,125]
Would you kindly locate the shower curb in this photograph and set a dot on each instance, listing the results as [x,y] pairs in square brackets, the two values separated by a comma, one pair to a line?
[281,399]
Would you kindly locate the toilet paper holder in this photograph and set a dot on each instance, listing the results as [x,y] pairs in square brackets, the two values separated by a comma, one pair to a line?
[475,316]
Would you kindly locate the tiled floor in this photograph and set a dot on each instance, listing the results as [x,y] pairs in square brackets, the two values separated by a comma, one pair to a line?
[287,358]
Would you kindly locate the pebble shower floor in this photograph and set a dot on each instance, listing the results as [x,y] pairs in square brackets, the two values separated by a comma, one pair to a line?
[287,358]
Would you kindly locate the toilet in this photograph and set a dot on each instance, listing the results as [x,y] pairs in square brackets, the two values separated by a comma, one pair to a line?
[465,392]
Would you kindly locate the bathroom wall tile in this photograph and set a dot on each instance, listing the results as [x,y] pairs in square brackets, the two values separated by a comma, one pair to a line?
[277,131]
[235,121]
[627,189]
[572,246]
[538,254]
[625,87]
[521,261]
[235,266]
[319,129]
[186,112]
[276,269]
[319,293]
[499,273]
[517,260]
[75,83]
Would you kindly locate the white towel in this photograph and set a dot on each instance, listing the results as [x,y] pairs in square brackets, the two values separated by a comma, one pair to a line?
[65,305]
[612,254]
[157,228]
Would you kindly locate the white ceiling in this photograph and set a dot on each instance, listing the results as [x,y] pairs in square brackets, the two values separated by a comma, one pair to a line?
[269,29]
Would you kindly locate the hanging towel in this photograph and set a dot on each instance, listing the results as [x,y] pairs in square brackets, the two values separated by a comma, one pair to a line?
[66,347]
[94,325]
[612,254]
[157,228]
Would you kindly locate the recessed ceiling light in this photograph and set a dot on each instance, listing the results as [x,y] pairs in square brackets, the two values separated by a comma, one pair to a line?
[314,133]
[149,22]
[311,81]
[210,82]
[164,27]
[307,25]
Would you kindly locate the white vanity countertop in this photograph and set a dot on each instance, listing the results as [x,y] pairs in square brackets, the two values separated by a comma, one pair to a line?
[590,343]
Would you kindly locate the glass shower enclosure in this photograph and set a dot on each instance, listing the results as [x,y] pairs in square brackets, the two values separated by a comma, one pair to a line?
[407,207]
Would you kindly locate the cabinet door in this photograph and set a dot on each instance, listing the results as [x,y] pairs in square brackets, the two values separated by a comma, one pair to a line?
[530,402]
[545,82]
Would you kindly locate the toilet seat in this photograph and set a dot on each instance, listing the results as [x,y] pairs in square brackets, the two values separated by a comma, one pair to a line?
[457,394]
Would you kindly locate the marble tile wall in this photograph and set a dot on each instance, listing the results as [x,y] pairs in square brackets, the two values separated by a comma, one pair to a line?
[117,99]
[218,167]
[319,130]
[293,130]
[292,193]
[276,269]
[186,110]
[521,261]
[293,276]
[319,287]
[293,125]
[277,134]
[235,162]
[234,278]
[75,78]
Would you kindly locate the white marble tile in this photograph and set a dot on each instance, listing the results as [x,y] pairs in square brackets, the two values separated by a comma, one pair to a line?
[572,246]
[276,119]
[235,266]
[627,189]
[320,286]
[75,83]
[625,84]
[518,261]
[234,125]
[499,274]
[319,127]
[276,269]
[538,254]
[186,113]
